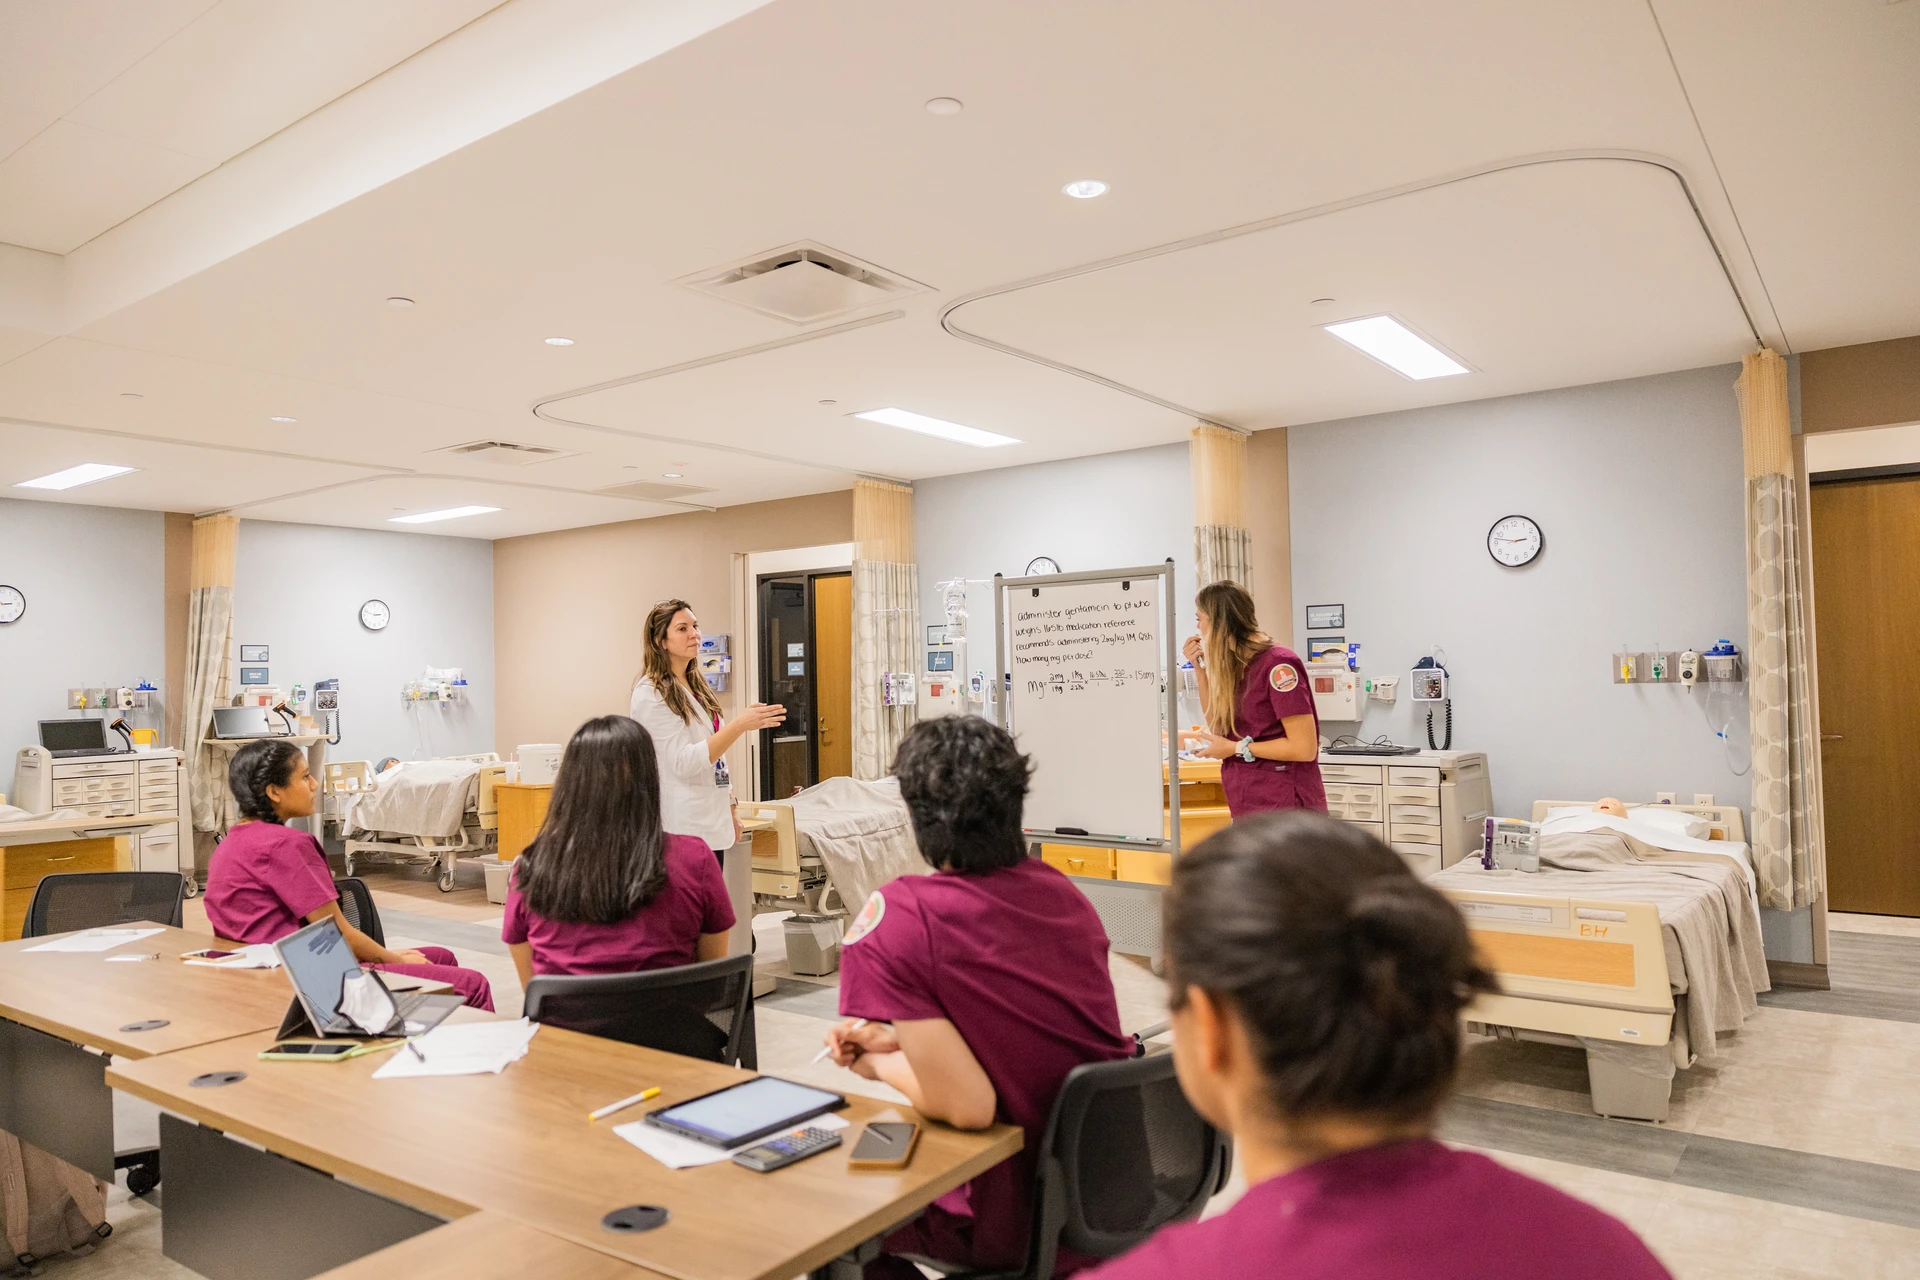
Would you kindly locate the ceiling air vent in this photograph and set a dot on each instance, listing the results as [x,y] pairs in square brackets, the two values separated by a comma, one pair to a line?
[802,282]
[654,491]
[505,453]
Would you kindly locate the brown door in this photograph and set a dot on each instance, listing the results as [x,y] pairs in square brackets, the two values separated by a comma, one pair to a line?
[833,680]
[1866,584]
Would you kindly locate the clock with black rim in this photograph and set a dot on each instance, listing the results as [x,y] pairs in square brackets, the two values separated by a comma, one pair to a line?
[13,604]
[1042,564]
[1515,540]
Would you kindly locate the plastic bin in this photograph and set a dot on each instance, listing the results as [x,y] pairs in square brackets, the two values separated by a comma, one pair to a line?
[497,875]
[813,944]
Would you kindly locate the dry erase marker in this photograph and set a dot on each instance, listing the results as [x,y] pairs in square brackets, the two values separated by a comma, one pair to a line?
[821,1056]
[624,1103]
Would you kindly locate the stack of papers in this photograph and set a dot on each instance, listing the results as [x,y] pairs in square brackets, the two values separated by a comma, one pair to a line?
[676,1152]
[259,955]
[95,940]
[461,1049]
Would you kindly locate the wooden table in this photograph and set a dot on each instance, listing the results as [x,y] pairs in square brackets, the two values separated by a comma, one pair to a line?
[487,1244]
[519,1145]
[40,847]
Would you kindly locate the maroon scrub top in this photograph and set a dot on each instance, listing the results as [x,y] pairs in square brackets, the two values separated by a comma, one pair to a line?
[264,880]
[660,935]
[1016,959]
[1273,688]
[1407,1211]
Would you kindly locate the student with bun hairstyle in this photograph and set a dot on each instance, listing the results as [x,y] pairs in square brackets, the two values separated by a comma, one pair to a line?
[267,880]
[1316,988]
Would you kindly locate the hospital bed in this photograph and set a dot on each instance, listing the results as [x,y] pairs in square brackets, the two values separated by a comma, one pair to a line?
[828,848]
[412,814]
[1595,969]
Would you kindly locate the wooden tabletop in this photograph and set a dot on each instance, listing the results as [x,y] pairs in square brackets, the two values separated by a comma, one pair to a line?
[485,1245]
[519,1144]
[39,830]
[80,996]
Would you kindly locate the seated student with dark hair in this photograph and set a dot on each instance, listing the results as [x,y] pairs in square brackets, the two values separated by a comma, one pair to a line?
[983,984]
[267,880]
[604,888]
[1317,988]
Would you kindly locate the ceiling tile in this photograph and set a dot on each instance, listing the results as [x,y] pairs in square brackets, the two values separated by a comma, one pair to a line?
[71,183]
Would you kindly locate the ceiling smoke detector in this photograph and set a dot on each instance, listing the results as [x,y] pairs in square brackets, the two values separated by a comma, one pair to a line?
[802,282]
[505,453]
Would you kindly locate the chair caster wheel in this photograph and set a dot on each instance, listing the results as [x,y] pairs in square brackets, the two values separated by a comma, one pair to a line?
[141,1180]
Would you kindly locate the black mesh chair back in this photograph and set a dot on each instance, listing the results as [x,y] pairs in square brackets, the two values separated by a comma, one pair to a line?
[97,899]
[702,1010]
[356,904]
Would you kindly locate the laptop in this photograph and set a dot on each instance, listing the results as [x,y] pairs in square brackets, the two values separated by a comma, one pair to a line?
[318,963]
[65,739]
[247,722]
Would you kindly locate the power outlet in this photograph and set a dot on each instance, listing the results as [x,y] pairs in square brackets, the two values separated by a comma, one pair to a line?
[1664,797]
[1703,799]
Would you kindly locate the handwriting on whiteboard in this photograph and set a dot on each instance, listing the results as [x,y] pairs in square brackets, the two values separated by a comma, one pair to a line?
[1076,681]
[1071,636]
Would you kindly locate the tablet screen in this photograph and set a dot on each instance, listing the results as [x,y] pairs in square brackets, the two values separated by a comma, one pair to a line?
[746,1111]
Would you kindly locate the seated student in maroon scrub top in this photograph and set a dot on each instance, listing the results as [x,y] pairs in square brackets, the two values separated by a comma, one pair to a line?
[267,880]
[604,888]
[983,985]
[1316,989]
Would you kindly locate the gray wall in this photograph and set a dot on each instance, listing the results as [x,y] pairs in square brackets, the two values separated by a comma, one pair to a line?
[94,582]
[298,589]
[1638,488]
[1111,511]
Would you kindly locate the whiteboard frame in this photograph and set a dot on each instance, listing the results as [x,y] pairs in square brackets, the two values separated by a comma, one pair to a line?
[1169,683]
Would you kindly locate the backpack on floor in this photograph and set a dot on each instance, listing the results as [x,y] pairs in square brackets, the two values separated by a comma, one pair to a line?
[48,1206]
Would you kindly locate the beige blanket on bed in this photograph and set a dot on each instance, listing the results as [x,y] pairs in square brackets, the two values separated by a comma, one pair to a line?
[1707,917]
[861,831]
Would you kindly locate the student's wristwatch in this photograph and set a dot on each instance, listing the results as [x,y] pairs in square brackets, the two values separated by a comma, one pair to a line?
[1246,749]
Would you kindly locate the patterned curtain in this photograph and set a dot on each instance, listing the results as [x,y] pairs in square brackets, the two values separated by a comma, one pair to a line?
[1788,828]
[1222,545]
[209,668]
[886,622]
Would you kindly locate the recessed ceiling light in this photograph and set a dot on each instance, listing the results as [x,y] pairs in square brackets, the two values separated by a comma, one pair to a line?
[559,342]
[937,427]
[74,477]
[1397,347]
[944,106]
[1085,188]
[131,395]
[829,402]
[671,475]
[399,302]
[278,418]
[451,513]
[1321,302]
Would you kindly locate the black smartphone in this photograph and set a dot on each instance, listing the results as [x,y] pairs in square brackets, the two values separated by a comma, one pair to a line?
[310,1051]
[884,1145]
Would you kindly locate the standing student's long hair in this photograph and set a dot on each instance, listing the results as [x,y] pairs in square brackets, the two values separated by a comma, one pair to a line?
[682,696]
[1234,640]
[601,853]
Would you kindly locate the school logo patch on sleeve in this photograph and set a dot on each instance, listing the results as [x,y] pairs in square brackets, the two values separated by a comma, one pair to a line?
[1283,678]
[867,921]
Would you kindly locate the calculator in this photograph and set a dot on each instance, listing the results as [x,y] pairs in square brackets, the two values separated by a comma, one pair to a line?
[778,1153]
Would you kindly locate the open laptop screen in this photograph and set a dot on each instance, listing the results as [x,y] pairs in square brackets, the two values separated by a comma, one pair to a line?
[73,735]
[318,962]
[245,722]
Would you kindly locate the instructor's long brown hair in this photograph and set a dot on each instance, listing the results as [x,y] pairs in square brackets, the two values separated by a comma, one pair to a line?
[682,696]
[1234,640]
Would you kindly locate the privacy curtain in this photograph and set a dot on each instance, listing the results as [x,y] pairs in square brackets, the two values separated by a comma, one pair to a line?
[1788,831]
[209,664]
[886,622]
[1221,542]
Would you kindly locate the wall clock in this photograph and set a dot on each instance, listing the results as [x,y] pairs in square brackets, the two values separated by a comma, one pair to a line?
[374,615]
[13,603]
[1042,564]
[1514,541]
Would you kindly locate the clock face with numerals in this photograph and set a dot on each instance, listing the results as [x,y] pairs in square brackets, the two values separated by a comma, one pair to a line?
[13,603]
[1042,564]
[1514,541]
[374,615]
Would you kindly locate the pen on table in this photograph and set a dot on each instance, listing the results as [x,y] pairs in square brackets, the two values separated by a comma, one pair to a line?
[415,1050]
[624,1103]
[821,1056]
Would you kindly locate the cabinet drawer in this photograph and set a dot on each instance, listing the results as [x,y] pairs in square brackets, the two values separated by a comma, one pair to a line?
[93,769]
[1197,824]
[148,767]
[97,809]
[1337,793]
[1378,830]
[1078,861]
[1424,814]
[1363,795]
[168,796]
[1407,775]
[1350,773]
[27,863]
[1422,860]
[1143,866]
[1363,813]
[157,855]
[1410,833]
[1336,809]
[1413,795]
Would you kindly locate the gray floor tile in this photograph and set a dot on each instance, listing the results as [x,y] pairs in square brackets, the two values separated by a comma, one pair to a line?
[1620,1146]
[809,998]
[443,933]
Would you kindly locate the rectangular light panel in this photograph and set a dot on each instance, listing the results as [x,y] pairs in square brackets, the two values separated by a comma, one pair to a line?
[433,517]
[1397,347]
[74,477]
[937,427]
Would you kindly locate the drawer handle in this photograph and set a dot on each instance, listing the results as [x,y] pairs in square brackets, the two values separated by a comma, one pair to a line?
[67,858]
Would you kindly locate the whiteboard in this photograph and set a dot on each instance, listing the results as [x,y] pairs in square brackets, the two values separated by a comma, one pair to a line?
[1085,658]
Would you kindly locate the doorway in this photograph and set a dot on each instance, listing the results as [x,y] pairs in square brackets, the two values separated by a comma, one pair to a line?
[806,665]
[1866,585]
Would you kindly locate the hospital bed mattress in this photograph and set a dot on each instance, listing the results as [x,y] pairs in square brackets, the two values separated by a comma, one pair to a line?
[861,833]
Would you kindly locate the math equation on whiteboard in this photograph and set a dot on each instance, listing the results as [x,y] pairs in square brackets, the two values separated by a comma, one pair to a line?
[1075,681]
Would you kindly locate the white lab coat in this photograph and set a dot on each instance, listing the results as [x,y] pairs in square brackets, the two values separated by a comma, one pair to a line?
[690,803]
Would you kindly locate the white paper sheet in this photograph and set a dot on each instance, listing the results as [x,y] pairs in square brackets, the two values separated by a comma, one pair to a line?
[676,1152]
[259,955]
[462,1049]
[96,940]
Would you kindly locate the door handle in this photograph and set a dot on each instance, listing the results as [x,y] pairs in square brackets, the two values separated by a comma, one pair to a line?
[1831,737]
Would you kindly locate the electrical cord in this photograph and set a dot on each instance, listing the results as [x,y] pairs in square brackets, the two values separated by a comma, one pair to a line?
[1448,744]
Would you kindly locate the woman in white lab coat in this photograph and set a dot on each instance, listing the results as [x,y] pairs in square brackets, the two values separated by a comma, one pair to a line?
[672,702]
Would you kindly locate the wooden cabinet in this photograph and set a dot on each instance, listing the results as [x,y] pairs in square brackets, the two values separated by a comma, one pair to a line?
[22,866]
[522,808]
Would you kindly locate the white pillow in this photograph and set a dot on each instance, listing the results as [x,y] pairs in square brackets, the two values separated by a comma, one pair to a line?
[1669,818]
[1558,811]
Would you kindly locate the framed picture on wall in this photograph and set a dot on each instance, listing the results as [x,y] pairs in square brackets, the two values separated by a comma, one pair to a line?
[1326,617]
[254,675]
[253,653]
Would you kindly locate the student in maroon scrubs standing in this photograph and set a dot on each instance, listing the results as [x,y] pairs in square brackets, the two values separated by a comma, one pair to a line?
[983,985]
[1316,988]
[1265,732]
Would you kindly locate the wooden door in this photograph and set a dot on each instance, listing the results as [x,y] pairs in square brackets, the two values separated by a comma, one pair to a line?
[833,672]
[1866,588]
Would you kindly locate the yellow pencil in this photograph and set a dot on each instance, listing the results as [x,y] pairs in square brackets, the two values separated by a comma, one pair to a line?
[624,1103]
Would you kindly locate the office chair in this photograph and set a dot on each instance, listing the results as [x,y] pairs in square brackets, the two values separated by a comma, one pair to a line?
[702,1010]
[99,899]
[1124,1155]
[356,904]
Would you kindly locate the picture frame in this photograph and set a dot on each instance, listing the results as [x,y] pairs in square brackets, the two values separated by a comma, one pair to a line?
[1323,648]
[253,653]
[254,675]
[1326,617]
[939,635]
[939,659]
